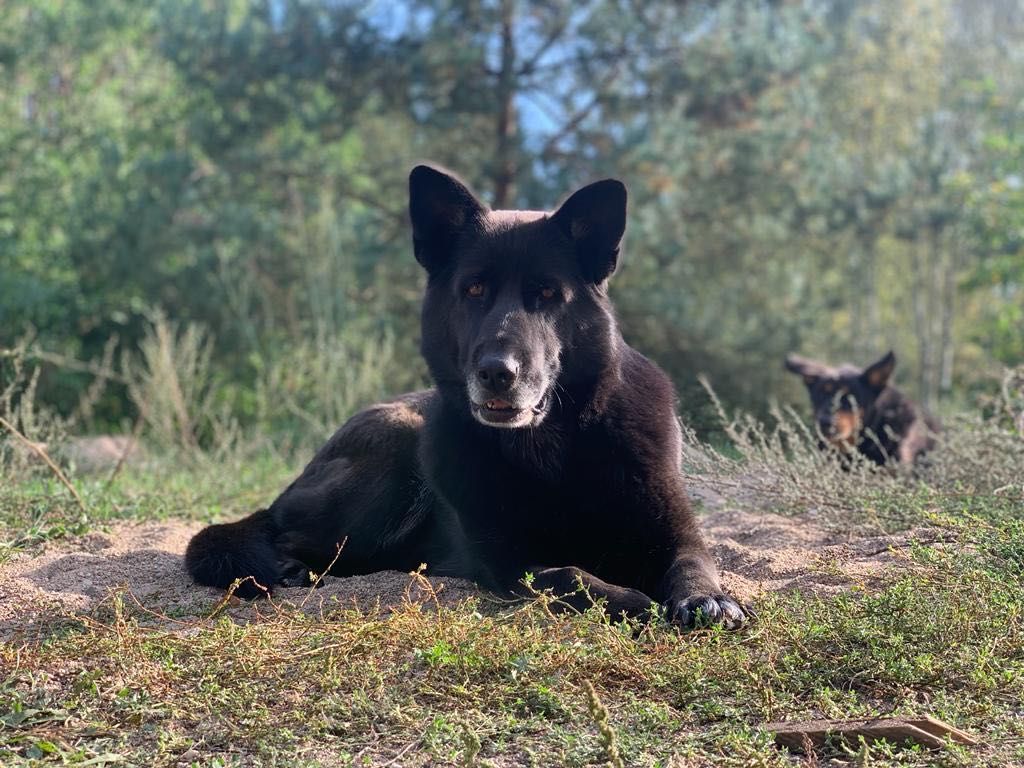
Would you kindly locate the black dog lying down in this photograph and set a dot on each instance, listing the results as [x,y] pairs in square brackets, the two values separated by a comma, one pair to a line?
[856,408]
[548,446]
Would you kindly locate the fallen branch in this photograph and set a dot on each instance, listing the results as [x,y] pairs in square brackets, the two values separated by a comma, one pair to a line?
[924,730]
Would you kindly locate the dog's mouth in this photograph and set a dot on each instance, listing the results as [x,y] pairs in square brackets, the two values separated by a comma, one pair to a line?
[498,412]
[843,429]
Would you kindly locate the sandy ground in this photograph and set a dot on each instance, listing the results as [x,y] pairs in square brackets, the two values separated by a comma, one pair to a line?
[757,552]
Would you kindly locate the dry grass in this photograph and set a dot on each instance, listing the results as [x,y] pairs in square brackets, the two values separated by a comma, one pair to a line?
[169,382]
[976,458]
[37,426]
[479,684]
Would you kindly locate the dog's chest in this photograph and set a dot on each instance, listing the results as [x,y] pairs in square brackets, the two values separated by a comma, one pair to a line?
[550,511]
[551,497]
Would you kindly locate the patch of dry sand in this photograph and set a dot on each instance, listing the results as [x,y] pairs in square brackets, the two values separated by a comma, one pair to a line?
[757,552]
[76,576]
[764,552]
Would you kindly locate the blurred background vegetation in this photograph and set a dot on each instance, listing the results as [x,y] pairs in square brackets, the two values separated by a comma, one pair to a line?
[203,203]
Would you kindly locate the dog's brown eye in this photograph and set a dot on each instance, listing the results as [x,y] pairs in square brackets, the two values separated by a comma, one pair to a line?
[547,293]
[475,290]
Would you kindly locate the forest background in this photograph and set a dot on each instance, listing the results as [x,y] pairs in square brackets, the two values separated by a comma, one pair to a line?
[214,193]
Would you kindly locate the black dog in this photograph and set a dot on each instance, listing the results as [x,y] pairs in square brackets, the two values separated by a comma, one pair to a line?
[855,408]
[548,447]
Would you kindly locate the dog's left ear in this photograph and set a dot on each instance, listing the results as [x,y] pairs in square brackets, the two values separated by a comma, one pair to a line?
[441,208]
[594,218]
[877,374]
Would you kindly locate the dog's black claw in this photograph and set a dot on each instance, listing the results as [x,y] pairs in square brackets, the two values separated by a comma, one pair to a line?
[699,611]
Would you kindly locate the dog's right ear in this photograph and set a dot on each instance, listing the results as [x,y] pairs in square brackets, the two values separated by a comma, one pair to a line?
[594,218]
[810,370]
[441,207]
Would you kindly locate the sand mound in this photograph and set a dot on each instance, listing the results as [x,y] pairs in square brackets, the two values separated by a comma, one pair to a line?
[757,553]
[79,575]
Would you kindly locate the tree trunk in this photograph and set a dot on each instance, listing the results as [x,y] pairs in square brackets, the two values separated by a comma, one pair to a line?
[948,315]
[935,311]
[872,323]
[921,330]
[505,165]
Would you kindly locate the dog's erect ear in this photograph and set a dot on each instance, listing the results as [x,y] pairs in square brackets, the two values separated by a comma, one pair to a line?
[440,207]
[594,218]
[810,370]
[877,374]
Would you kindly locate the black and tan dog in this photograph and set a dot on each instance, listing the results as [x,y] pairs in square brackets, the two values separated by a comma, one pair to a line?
[547,446]
[856,408]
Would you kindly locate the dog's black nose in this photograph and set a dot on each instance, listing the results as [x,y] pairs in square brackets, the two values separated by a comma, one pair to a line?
[497,373]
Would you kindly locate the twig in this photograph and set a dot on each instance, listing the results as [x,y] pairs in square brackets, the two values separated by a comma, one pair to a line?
[320,576]
[133,441]
[406,748]
[231,592]
[71,364]
[186,623]
[579,115]
[38,450]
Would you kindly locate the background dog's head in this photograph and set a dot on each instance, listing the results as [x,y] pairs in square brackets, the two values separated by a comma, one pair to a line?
[840,396]
[516,318]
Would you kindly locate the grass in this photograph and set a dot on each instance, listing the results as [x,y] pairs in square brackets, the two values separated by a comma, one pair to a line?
[36,508]
[472,685]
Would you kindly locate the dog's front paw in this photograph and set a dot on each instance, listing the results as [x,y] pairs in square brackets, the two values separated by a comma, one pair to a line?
[698,611]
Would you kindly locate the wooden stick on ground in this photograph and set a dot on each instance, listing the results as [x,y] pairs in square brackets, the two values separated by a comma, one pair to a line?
[38,450]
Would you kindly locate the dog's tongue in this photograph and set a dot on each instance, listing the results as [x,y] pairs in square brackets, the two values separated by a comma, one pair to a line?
[499,405]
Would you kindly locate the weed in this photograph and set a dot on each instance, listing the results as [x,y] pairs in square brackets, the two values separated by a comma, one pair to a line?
[599,712]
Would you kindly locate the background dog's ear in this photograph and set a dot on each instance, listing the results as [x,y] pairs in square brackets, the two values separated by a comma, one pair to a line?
[594,218]
[440,207]
[877,374]
[810,370]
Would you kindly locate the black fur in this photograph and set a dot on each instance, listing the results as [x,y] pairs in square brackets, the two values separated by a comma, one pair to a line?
[857,408]
[548,445]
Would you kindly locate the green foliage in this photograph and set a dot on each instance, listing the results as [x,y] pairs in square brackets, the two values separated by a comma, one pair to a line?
[833,177]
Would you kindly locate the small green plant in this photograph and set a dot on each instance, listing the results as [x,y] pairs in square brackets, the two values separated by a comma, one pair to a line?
[599,713]
[470,747]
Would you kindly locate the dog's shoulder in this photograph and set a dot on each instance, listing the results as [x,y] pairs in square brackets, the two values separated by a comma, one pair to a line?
[640,413]
[645,388]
